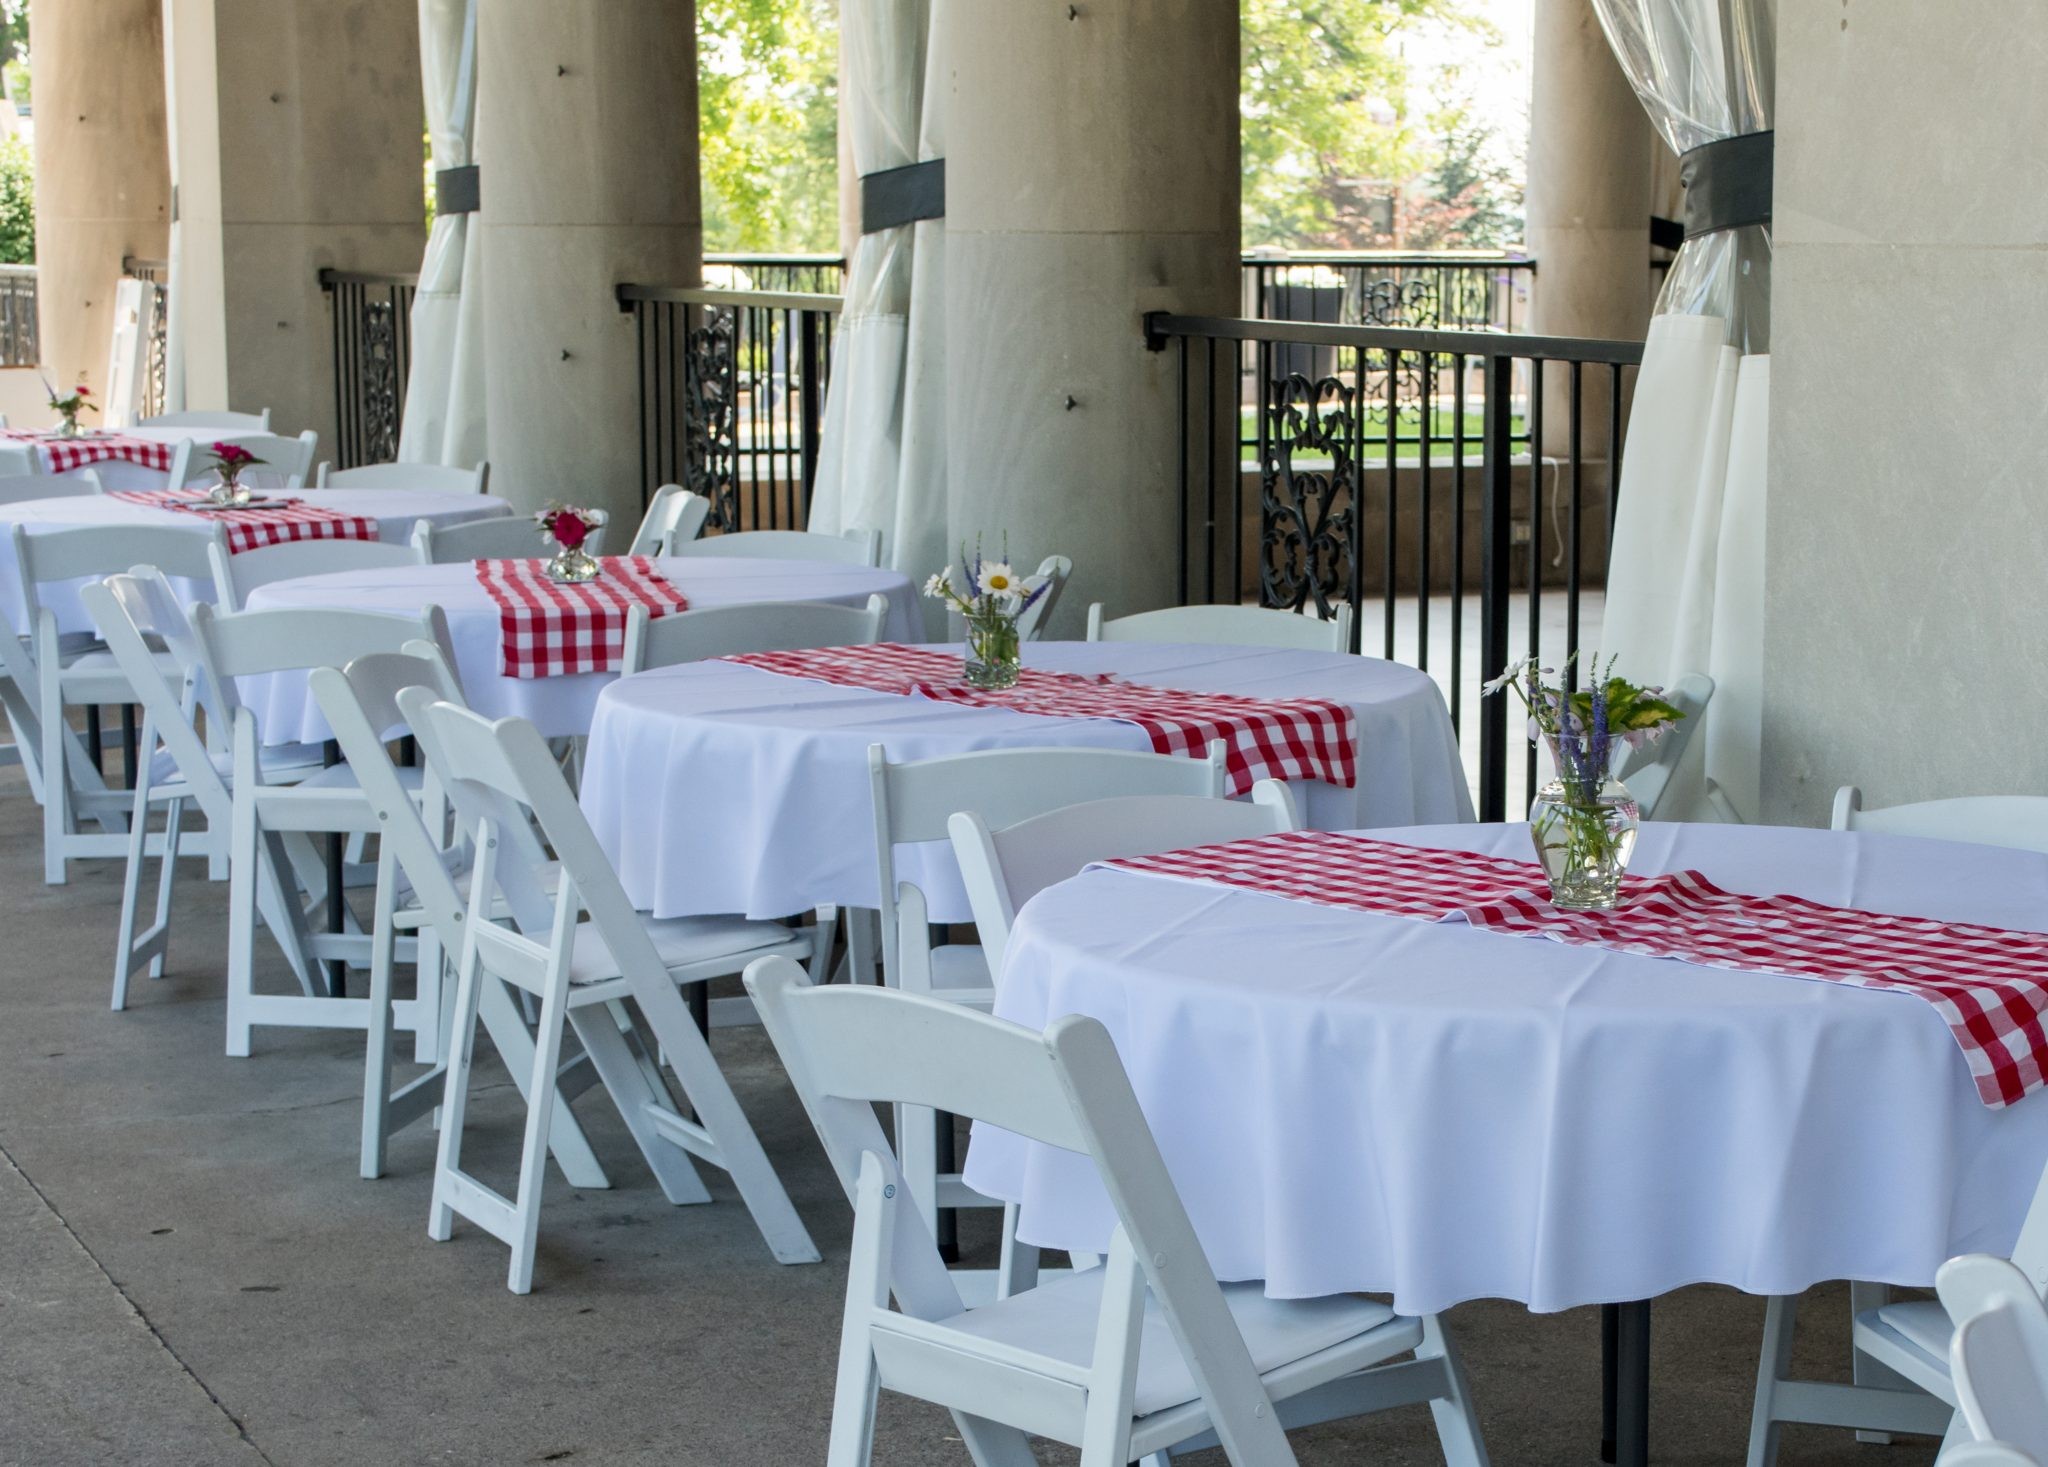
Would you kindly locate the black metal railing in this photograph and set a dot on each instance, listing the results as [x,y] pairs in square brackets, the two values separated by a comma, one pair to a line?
[1449,290]
[372,328]
[1456,487]
[732,397]
[156,274]
[803,274]
[20,338]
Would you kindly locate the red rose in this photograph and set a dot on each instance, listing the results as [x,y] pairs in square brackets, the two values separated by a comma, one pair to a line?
[569,531]
[82,392]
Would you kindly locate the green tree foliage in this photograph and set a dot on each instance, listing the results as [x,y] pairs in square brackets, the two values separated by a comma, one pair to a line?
[1470,196]
[17,203]
[768,96]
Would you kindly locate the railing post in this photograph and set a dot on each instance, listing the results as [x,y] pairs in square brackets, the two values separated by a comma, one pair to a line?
[1496,513]
[808,404]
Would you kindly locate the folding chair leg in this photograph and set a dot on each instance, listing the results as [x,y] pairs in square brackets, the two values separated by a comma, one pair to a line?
[1457,1424]
[166,882]
[131,897]
[533,1151]
[1775,1361]
[431,994]
[1864,1370]
[627,1084]
[455,1098]
[242,880]
[917,1145]
[499,1016]
[867,1288]
[377,1049]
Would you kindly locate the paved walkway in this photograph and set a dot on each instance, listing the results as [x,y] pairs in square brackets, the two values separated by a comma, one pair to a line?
[190,1272]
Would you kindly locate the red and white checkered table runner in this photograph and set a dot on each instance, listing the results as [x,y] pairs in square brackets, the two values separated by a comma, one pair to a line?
[1989,984]
[279,522]
[546,629]
[66,454]
[1288,739]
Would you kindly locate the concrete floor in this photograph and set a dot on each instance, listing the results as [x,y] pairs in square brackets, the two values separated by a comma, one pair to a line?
[190,1272]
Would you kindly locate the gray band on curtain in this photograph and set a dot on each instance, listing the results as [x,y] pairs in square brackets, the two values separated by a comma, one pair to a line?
[457,191]
[1727,183]
[903,195]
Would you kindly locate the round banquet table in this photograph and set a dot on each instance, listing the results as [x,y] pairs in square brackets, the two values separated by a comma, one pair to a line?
[560,706]
[1353,1101]
[766,776]
[395,510]
[32,455]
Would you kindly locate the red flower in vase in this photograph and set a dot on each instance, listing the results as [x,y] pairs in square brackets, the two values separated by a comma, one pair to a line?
[566,525]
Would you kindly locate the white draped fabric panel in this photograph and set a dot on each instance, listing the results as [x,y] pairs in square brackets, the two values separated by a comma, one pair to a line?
[1685,578]
[444,394]
[882,461]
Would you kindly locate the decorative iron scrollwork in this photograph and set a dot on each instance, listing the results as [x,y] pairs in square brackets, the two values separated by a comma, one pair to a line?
[383,383]
[1308,493]
[711,417]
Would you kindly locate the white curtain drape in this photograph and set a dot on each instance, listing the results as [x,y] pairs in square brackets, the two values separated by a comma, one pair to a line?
[1685,577]
[444,393]
[882,461]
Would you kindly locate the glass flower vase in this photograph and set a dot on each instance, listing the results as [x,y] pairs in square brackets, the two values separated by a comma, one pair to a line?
[572,567]
[993,656]
[1584,839]
[67,426]
[228,494]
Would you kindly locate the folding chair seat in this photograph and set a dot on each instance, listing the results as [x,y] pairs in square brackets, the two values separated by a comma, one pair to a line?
[282,819]
[1141,1356]
[73,672]
[584,955]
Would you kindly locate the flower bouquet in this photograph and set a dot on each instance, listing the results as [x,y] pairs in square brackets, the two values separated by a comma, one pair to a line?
[989,599]
[1584,820]
[230,462]
[569,528]
[67,409]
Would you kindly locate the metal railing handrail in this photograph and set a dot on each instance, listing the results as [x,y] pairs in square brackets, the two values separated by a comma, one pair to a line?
[693,295]
[19,271]
[1159,325]
[330,277]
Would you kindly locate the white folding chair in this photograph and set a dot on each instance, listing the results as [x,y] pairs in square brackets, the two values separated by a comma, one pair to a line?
[414,842]
[1901,1360]
[424,478]
[734,631]
[139,614]
[287,463]
[17,488]
[1648,771]
[675,516]
[1146,1354]
[59,671]
[282,819]
[855,547]
[2018,822]
[913,803]
[1999,1355]
[578,955]
[224,422]
[505,537]
[1052,573]
[1228,626]
[1892,1344]
[1004,868]
[236,574]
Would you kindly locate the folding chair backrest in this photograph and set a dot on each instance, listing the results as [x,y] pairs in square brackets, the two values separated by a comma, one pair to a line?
[855,547]
[236,575]
[503,537]
[1004,868]
[1998,1356]
[734,631]
[287,463]
[1648,772]
[914,801]
[104,550]
[849,1047]
[1052,573]
[14,488]
[2019,822]
[129,610]
[224,421]
[1230,626]
[675,516]
[424,478]
[501,774]
[253,643]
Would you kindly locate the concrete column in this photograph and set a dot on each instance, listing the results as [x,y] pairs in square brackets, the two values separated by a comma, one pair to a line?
[298,137]
[1590,170]
[103,176]
[1092,176]
[587,135]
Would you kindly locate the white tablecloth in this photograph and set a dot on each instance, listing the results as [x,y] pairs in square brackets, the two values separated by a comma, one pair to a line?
[559,706]
[1351,1101]
[763,779]
[19,456]
[395,510]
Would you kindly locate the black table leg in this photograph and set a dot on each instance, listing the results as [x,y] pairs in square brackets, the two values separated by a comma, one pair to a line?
[92,736]
[1625,1383]
[948,1162]
[337,970]
[699,996]
[128,743]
